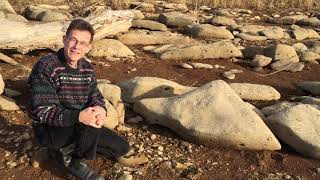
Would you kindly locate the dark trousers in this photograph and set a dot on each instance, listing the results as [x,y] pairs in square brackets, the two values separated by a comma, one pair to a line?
[88,140]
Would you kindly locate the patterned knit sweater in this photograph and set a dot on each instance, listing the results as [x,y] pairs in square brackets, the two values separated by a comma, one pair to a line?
[60,92]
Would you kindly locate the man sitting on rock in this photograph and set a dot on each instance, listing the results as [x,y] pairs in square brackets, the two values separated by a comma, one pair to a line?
[68,110]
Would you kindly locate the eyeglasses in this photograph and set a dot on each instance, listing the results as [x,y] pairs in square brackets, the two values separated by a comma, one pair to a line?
[82,44]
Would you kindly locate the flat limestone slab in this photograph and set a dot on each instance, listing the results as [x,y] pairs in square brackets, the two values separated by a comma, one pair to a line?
[212,114]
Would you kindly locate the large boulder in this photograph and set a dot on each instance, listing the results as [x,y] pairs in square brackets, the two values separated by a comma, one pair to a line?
[1,84]
[283,55]
[278,107]
[15,17]
[151,25]
[311,86]
[110,48]
[145,37]
[298,127]
[139,88]
[110,92]
[212,114]
[207,31]
[177,19]
[8,104]
[248,91]
[220,49]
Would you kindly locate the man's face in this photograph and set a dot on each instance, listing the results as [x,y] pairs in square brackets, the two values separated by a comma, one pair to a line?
[76,45]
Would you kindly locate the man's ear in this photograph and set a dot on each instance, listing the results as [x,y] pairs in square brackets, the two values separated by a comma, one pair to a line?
[64,39]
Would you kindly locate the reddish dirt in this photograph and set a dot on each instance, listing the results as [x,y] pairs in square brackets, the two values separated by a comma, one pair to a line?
[214,162]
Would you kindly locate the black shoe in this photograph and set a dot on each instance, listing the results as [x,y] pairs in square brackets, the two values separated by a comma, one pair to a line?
[80,170]
[58,157]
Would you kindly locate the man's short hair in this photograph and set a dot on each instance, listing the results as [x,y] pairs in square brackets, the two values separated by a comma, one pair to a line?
[82,25]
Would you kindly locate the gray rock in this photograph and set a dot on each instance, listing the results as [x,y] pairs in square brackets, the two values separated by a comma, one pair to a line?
[311,86]
[228,75]
[139,88]
[249,37]
[220,49]
[281,65]
[222,21]
[248,91]
[251,51]
[300,47]
[252,29]
[144,37]
[260,61]
[313,21]
[273,32]
[190,115]
[110,92]
[46,15]
[292,19]
[282,52]
[207,31]
[307,56]
[298,127]
[147,24]
[177,19]
[315,47]
[295,67]
[143,6]
[110,48]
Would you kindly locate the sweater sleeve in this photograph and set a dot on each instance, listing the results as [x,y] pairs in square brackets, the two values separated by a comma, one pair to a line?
[46,107]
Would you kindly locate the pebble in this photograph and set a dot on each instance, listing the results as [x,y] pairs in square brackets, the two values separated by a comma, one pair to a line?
[126,177]
[186,66]
[276,15]
[236,71]
[35,164]
[7,153]
[229,75]
[160,148]
[153,137]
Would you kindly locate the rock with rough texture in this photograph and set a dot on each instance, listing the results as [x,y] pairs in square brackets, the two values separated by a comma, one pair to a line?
[252,29]
[110,48]
[190,115]
[313,21]
[295,67]
[273,32]
[249,37]
[281,52]
[147,24]
[137,15]
[1,84]
[248,91]
[311,86]
[110,92]
[300,47]
[315,47]
[298,127]
[281,65]
[46,15]
[292,19]
[8,104]
[177,19]
[260,61]
[302,33]
[278,107]
[6,7]
[139,88]
[222,21]
[112,116]
[144,37]
[307,56]
[220,49]
[201,65]
[207,31]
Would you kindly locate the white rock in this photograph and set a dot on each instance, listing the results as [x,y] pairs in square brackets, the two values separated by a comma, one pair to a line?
[186,66]
[278,107]
[6,7]
[150,87]
[201,65]
[110,92]
[248,91]
[110,48]
[260,61]
[298,127]
[228,75]
[190,115]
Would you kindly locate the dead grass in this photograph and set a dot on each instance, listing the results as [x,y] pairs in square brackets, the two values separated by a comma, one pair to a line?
[19,5]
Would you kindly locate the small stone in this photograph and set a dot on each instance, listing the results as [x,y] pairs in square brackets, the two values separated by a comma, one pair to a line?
[7,153]
[35,164]
[13,164]
[186,66]
[126,176]
[287,176]
[167,164]
[21,159]
[160,148]
[236,71]
[229,75]
[153,137]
